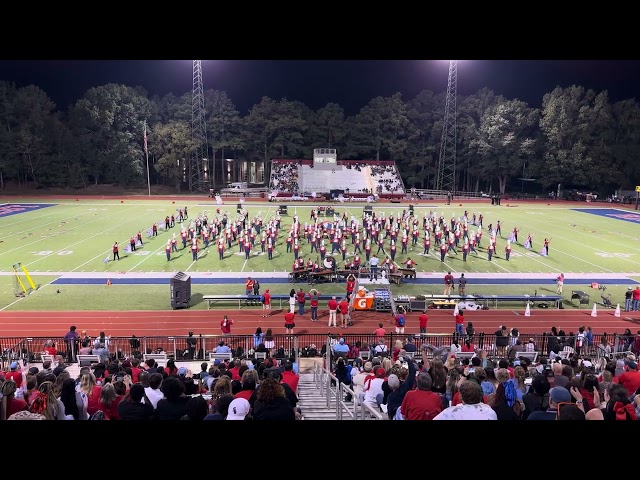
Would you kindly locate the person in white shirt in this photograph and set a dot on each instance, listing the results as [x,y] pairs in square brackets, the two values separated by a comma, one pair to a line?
[373,388]
[471,407]
[153,390]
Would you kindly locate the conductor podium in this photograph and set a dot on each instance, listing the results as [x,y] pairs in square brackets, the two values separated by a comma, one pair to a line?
[180,290]
[282,210]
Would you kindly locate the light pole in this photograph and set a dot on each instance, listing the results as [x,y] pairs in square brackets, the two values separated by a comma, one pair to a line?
[523,167]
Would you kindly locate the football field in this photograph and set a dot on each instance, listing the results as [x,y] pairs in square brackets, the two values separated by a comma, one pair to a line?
[66,247]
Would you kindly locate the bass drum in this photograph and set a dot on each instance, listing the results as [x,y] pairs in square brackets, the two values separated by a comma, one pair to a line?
[329,263]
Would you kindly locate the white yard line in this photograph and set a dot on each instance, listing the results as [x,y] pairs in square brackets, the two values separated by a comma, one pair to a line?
[52,211]
[45,240]
[104,252]
[22,298]
[560,223]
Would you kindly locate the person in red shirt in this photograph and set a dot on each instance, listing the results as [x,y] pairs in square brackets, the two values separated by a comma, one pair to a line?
[115,252]
[343,306]
[14,374]
[631,378]
[423,319]
[50,348]
[289,323]
[225,325]
[421,403]
[333,308]
[301,297]
[266,304]
[380,331]
[351,284]
[290,377]
[460,323]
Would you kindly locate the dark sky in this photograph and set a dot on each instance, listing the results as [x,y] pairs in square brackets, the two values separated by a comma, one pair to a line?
[351,83]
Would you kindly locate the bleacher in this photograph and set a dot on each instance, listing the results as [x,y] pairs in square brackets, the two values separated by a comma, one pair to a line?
[356,178]
[339,178]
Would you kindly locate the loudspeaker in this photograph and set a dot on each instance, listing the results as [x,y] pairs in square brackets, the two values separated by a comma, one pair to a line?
[180,286]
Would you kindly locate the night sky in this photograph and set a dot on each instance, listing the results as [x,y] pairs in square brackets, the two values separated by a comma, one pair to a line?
[350,83]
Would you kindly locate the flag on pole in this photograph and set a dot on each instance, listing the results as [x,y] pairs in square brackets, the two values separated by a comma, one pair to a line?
[145,138]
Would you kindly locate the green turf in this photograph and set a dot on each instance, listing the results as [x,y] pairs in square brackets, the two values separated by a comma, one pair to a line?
[157,297]
[77,236]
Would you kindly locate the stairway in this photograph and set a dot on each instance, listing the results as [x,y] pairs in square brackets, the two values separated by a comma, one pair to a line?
[312,405]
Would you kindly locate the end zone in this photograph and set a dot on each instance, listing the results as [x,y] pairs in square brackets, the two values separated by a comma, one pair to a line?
[15,208]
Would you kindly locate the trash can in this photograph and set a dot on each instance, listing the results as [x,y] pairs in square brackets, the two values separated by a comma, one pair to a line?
[180,285]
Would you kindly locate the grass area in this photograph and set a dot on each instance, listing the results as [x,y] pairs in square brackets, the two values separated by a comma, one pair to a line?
[157,297]
[76,236]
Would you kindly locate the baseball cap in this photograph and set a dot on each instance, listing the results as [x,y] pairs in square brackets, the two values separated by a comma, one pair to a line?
[393,381]
[559,395]
[238,409]
[632,365]
[341,341]
[13,365]
[380,372]
[182,371]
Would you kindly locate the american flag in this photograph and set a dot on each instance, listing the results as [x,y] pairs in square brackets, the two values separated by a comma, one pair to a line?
[145,138]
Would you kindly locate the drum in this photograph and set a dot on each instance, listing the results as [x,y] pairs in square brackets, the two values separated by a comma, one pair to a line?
[329,263]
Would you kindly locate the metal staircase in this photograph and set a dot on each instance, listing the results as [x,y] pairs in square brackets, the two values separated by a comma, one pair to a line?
[313,403]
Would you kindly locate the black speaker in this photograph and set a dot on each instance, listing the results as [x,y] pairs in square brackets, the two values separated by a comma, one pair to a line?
[238,208]
[282,210]
[180,285]
[411,209]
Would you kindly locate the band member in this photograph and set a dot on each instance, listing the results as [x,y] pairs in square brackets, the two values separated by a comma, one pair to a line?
[115,252]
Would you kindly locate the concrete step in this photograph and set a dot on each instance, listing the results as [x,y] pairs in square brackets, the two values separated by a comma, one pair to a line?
[312,404]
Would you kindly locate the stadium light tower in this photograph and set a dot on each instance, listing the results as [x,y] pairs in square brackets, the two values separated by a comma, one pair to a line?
[199,159]
[446,179]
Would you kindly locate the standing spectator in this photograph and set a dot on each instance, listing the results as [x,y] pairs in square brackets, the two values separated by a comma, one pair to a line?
[314,296]
[256,287]
[559,280]
[292,300]
[266,304]
[636,299]
[248,286]
[14,374]
[460,323]
[448,283]
[301,297]
[343,306]
[289,323]
[71,342]
[628,299]
[424,318]
[333,308]
[225,325]
[462,283]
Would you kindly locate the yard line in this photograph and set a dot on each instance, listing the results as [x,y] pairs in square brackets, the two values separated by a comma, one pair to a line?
[22,298]
[103,252]
[84,239]
[41,240]
[573,241]
[146,257]
[50,213]
[190,266]
[605,230]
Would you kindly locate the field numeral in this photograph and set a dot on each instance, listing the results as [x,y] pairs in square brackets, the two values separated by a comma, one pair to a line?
[44,253]
[614,255]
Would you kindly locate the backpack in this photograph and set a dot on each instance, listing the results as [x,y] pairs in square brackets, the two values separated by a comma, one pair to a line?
[99,415]
[261,298]
[401,321]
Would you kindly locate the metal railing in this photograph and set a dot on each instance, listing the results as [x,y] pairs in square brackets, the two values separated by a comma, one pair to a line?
[31,348]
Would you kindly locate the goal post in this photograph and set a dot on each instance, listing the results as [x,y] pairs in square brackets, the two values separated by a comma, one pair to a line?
[22,281]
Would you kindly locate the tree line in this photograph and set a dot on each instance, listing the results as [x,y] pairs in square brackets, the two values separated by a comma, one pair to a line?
[577,138]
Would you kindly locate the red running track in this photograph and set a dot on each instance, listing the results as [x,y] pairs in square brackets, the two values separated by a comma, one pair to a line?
[207,322]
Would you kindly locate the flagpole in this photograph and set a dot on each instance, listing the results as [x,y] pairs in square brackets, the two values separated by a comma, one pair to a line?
[146,151]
